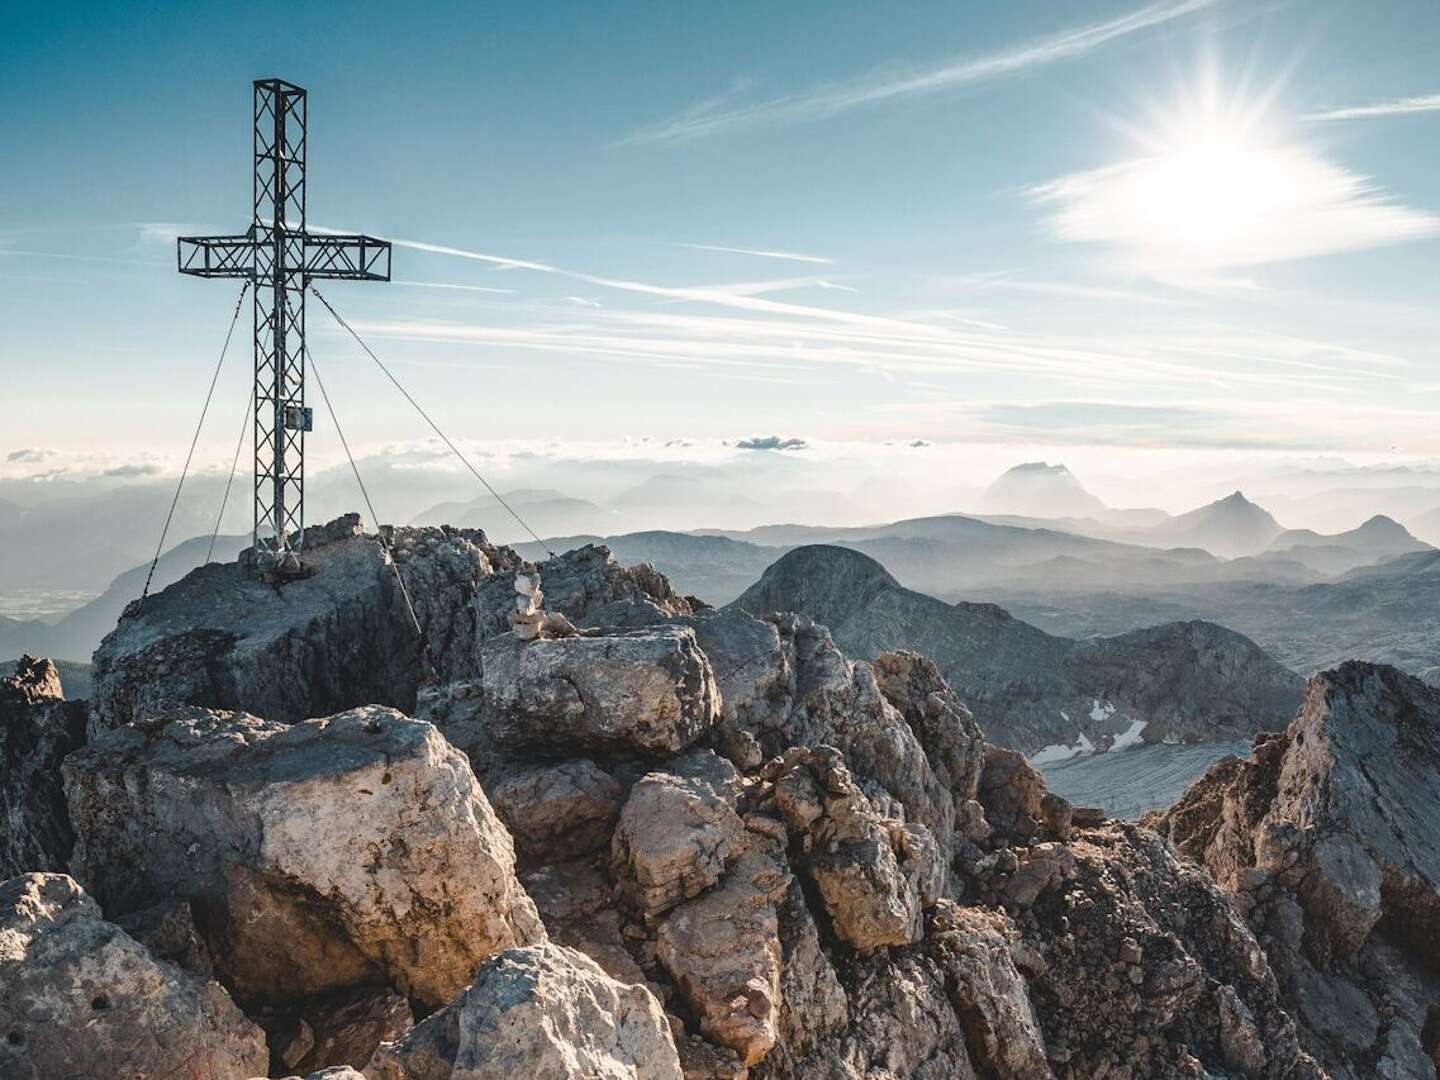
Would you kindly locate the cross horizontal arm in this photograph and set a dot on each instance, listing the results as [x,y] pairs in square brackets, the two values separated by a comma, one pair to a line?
[354,258]
[216,256]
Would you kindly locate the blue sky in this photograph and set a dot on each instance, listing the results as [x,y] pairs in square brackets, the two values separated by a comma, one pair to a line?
[1175,225]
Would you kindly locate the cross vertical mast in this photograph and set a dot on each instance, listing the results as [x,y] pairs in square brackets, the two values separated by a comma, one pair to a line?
[279,223]
[280,257]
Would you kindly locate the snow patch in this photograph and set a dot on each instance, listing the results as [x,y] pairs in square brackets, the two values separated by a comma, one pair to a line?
[1100,713]
[1060,752]
[1129,737]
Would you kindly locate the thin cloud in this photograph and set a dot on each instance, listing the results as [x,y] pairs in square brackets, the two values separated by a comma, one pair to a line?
[449,285]
[1398,107]
[713,118]
[792,256]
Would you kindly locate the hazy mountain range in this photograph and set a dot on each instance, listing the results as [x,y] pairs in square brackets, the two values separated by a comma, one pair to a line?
[1308,597]
[1184,682]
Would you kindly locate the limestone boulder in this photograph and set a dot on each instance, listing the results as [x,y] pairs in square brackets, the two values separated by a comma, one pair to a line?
[647,691]
[723,951]
[337,638]
[38,727]
[335,853]
[546,1012]
[678,831]
[558,810]
[80,997]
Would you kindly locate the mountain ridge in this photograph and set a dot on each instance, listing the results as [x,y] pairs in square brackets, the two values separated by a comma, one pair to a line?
[1029,689]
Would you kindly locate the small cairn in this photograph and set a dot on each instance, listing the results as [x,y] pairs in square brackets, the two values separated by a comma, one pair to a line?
[529,620]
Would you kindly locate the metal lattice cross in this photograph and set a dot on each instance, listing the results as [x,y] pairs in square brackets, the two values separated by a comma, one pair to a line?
[280,258]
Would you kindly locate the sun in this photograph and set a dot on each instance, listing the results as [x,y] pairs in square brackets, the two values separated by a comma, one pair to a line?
[1220,180]
[1206,191]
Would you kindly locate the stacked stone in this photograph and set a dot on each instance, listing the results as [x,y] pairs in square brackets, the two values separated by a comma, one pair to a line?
[528,620]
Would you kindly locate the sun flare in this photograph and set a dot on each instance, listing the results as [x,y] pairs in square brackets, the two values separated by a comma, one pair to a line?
[1213,186]
[1209,191]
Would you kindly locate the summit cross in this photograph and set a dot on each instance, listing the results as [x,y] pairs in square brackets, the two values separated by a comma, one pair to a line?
[280,259]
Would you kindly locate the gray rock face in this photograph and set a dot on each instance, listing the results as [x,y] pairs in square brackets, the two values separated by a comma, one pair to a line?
[328,855]
[1329,835]
[815,862]
[1194,682]
[338,638]
[649,691]
[342,636]
[38,727]
[544,1011]
[80,997]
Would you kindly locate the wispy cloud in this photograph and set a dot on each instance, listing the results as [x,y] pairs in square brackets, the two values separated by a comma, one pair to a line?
[717,116]
[450,285]
[1071,290]
[1397,107]
[792,256]
[1194,211]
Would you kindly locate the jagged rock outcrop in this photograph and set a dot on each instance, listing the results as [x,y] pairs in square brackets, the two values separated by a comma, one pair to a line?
[337,853]
[1328,835]
[38,727]
[544,1011]
[80,997]
[342,635]
[1190,682]
[874,875]
[777,860]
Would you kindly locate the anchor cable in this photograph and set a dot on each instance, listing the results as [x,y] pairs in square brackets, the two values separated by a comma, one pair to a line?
[379,530]
[194,440]
[434,426]
[234,464]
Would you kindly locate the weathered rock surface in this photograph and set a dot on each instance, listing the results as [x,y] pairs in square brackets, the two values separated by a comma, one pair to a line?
[723,951]
[777,860]
[678,831]
[1193,681]
[331,854]
[649,691]
[342,636]
[38,727]
[874,875]
[80,997]
[546,1012]
[556,810]
[1329,837]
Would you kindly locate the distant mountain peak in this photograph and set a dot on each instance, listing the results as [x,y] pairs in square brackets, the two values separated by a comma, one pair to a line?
[1041,467]
[1039,489]
[1383,521]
